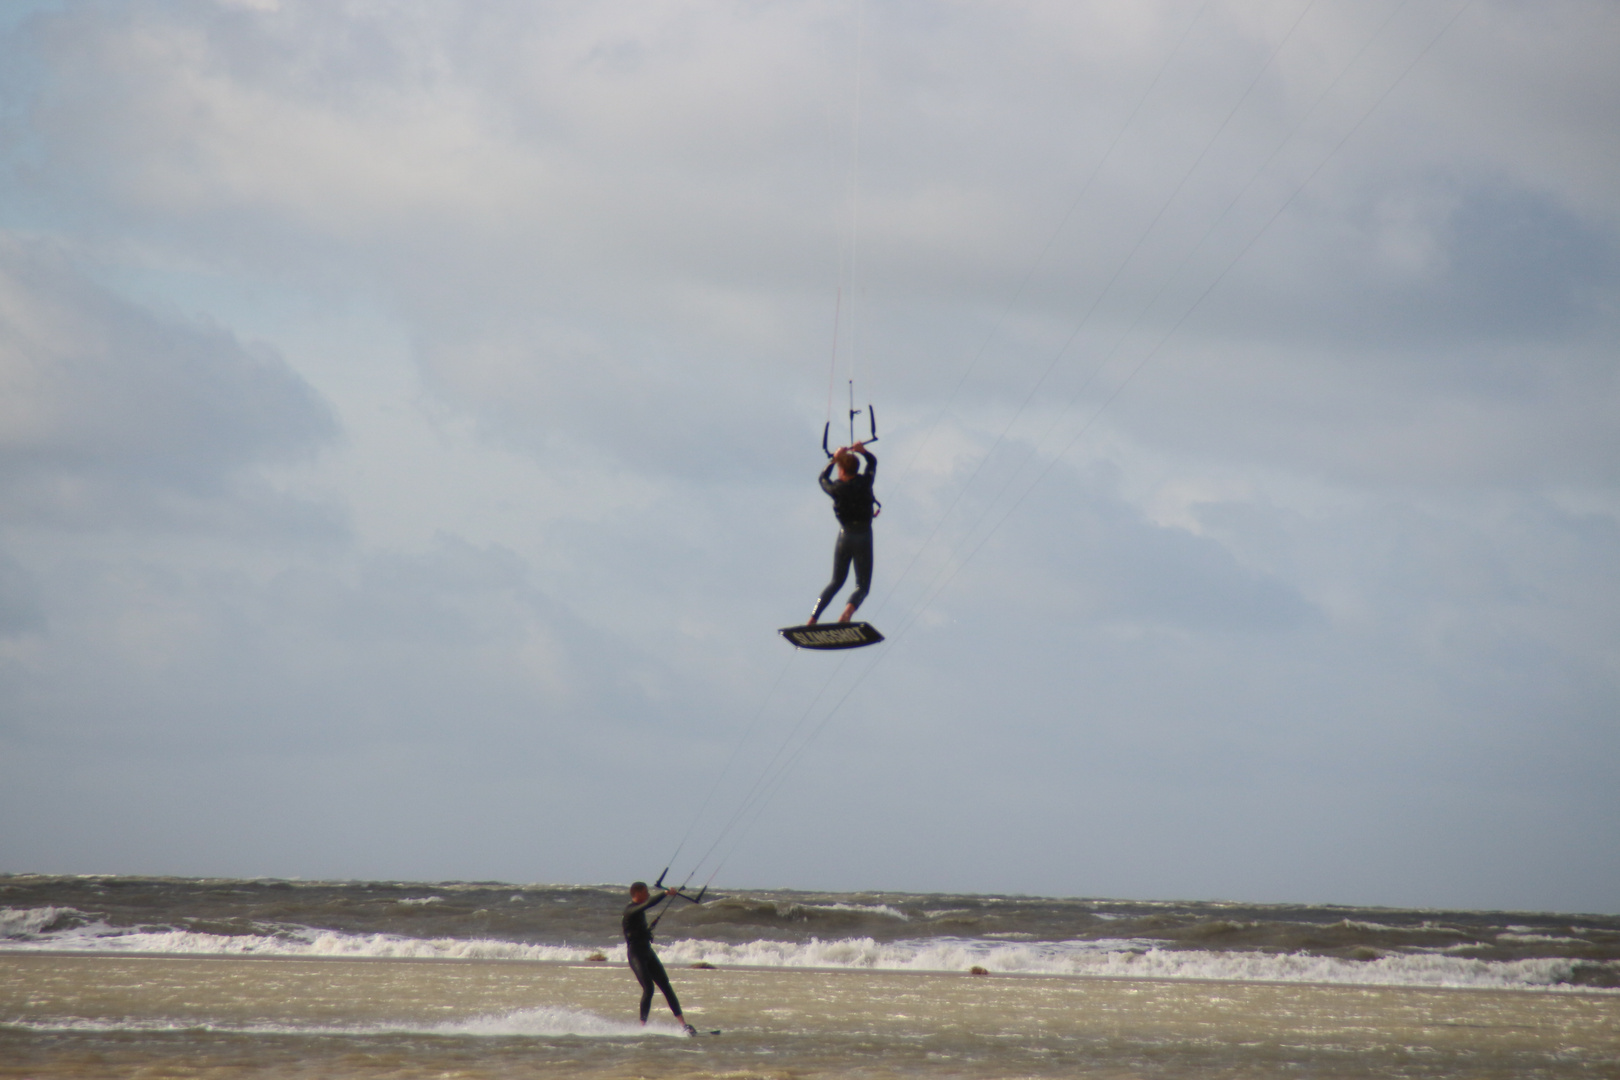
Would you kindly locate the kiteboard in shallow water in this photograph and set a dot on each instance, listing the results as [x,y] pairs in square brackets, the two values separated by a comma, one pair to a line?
[838,635]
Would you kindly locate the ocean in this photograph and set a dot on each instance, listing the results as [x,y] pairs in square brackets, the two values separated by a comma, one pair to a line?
[123,976]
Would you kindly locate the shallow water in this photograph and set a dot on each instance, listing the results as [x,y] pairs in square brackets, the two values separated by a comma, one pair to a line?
[72,1016]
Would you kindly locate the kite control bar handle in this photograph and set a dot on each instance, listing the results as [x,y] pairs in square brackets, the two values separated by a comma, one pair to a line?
[698,899]
[871,418]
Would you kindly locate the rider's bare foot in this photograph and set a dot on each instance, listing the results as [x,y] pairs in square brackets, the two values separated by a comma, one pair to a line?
[848,613]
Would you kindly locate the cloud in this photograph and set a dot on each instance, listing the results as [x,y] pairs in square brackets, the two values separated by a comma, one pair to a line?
[20,610]
[1080,554]
[546,296]
[110,413]
[1424,261]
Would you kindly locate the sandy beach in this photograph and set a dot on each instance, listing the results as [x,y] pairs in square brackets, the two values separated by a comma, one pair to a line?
[65,1016]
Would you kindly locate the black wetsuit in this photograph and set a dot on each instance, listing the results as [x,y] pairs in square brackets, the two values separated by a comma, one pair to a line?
[854,504]
[644,962]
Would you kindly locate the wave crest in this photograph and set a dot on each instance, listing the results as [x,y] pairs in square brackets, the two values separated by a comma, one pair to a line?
[69,930]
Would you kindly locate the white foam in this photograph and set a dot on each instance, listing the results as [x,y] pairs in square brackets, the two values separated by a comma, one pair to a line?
[869,909]
[27,922]
[554,1022]
[523,1023]
[22,930]
[1134,959]
[302,942]
[796,909]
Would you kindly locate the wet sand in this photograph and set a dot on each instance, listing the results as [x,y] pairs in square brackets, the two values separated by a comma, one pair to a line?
[75,1016]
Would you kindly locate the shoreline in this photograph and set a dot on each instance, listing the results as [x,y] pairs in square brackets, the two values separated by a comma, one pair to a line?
[677,970]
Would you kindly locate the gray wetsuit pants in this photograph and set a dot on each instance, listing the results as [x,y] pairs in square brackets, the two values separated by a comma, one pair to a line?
[853,547]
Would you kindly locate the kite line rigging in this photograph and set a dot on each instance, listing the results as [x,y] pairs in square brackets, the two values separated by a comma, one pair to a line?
[804,731]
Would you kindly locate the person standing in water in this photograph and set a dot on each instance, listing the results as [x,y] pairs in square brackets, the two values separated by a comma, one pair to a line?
[644,963]
[855,506]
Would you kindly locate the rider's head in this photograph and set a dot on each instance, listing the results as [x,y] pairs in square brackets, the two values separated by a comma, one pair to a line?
[846,462]
[638,892]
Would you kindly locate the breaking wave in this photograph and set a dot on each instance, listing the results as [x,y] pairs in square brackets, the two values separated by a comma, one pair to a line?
[1135,959]
[67,930]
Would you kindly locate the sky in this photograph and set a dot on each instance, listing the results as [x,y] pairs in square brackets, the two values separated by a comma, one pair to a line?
[410,416]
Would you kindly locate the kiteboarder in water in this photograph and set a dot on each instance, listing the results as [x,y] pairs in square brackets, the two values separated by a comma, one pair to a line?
[855,506]
[644,962]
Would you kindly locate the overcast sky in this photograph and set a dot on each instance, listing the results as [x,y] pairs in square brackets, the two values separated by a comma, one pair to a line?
[410,416]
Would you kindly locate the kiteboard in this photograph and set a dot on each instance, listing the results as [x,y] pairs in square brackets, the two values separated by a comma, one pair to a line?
[837,635]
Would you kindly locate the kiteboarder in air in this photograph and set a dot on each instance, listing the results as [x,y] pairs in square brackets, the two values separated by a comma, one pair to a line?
[644,962]
[855,506]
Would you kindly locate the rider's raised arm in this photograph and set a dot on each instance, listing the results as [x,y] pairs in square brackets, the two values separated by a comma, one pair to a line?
[650,902]
[871,463]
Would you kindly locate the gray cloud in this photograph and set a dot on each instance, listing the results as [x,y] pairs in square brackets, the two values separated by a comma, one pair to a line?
[114,414]
[1431,262]
[20,611]
[1319,607]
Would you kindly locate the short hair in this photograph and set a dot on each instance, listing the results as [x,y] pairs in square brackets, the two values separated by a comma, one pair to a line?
[847,461]
[638,886]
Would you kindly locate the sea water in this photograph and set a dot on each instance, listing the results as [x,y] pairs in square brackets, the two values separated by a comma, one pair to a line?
[122,976]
